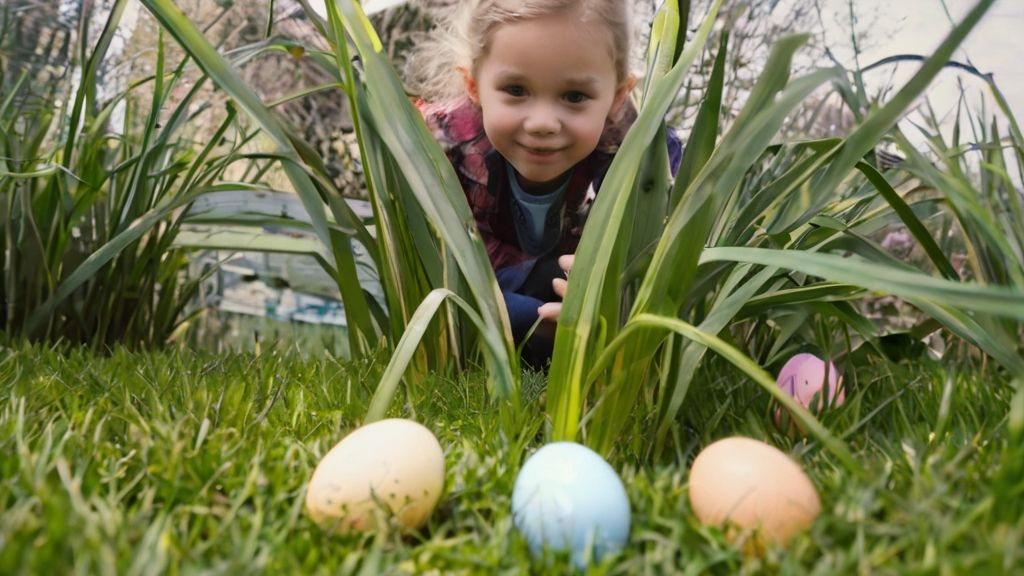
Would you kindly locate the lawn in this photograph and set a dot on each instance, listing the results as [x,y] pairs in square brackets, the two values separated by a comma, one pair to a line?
[182,462]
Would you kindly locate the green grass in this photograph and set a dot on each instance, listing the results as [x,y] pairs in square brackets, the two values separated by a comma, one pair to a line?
[181,462]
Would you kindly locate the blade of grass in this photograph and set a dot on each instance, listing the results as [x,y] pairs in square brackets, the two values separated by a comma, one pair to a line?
[910,220]
[995,300]
[406,347]
[87,269]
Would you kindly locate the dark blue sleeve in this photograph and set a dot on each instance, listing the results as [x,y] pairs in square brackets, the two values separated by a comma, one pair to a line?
[675,149]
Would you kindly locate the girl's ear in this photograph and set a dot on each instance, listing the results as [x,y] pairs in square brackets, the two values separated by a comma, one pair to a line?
[622,94]
[469,82]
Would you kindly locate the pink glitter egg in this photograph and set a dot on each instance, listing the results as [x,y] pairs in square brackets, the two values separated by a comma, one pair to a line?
[803,378]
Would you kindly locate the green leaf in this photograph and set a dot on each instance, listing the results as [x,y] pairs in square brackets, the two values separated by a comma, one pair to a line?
[87,269]
[406,347]
[912,286]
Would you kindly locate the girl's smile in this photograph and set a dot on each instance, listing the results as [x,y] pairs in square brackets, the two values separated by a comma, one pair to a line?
[542,153]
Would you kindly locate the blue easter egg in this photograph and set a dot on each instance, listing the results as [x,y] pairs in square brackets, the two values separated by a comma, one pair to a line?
[567,497]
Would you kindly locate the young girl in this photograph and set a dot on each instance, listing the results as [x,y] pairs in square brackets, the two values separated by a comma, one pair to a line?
[530,99]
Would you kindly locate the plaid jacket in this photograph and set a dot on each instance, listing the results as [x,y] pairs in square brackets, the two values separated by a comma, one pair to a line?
[483,174]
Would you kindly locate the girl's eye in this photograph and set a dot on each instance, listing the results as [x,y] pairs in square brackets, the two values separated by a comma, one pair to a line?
[514,90]
[576,97]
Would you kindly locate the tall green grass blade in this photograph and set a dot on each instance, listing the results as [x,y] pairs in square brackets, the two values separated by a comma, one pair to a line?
[992,334]
[994,300]
[982,232]
[102,178]
[992,338]
[692,222]
[910,220]
[648,210]
[824,292]
[406,347]
[701,143]
[1008,482]
[95,262]
[207,151]
[674,266]
[736,293]
[408,266]
[82,102]
[805,158]
[136,197]
[676,257]
[661,52]
[1004,197]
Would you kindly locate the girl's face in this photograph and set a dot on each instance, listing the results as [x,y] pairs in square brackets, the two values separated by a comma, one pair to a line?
[545,88]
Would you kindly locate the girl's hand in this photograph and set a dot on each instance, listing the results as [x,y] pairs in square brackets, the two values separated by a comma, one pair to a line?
[552,310]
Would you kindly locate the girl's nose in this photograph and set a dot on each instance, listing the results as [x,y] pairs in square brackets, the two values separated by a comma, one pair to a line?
[542,119]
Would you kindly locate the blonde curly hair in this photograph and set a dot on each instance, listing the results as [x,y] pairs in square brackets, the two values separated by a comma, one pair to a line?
[462,38]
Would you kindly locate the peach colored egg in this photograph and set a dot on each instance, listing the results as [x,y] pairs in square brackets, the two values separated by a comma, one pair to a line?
[391,466]
[803,377]
[747,487]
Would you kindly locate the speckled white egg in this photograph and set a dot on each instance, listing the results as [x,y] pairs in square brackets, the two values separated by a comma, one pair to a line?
[746,484]
[395,466]
[568,498]
[803,378]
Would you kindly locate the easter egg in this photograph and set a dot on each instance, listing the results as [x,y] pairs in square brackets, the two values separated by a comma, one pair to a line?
[568,498]
[393,467]
[744,484]
[803,378]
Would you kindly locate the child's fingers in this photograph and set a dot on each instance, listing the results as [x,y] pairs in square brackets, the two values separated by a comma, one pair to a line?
[550,311]
[559,285]
[565,261]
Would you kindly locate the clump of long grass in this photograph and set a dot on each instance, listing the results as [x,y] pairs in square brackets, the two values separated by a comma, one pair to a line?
[761,235]
[428,265]
[89,208]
